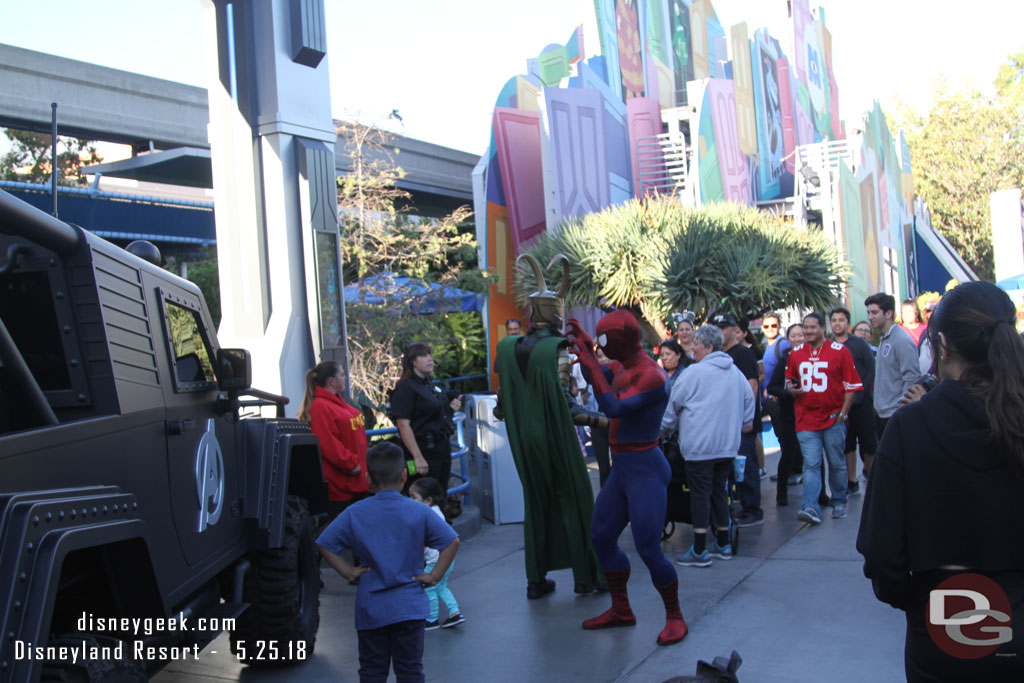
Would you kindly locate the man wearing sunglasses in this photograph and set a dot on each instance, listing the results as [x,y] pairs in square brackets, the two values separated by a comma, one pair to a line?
[774,344]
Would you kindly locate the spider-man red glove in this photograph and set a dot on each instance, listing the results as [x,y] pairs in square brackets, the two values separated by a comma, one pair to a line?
[584,347]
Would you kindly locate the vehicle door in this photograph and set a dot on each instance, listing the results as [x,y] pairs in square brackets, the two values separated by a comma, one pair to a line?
[203,464]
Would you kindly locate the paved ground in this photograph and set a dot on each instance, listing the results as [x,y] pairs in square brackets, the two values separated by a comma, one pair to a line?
[793,603]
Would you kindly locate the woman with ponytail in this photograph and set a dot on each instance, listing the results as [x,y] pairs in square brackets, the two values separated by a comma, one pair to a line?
[945,502]
[342,434]
[423,414]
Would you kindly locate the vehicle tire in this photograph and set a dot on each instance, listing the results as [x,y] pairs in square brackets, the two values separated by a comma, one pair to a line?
[127,670]
[283,591]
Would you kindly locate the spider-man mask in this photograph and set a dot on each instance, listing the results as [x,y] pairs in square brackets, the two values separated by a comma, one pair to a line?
[618,335]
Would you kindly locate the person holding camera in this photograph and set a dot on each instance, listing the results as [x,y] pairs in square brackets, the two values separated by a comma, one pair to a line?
[423,414]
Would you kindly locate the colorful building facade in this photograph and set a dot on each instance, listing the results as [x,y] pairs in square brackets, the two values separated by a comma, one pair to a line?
[673,101]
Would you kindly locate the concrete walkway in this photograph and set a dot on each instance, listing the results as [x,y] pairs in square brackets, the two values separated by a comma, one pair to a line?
[793,603]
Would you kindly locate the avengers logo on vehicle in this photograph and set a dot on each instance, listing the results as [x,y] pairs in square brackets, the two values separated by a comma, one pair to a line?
[969,616]
[209,477]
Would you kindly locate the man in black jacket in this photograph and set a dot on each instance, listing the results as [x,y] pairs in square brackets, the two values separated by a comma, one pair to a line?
[790,458]
[860,426]
[749,489]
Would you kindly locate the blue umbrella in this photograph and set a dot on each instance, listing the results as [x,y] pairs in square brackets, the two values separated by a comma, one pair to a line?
[1011,283]
[423,297]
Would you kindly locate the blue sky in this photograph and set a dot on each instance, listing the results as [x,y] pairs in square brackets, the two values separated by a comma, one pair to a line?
[441,63]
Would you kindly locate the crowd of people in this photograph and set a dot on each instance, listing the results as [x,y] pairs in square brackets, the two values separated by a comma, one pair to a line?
[822,398]
[935,410]
[931,405]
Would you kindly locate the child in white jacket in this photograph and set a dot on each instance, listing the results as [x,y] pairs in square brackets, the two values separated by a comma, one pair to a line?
[429,492]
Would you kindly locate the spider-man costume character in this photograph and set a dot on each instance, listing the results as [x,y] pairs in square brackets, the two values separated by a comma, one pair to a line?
[634,400]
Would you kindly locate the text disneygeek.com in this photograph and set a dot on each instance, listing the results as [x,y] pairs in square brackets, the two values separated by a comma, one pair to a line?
[127,630]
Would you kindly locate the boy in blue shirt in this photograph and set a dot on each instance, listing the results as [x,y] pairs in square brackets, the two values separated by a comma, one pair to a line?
[388,532]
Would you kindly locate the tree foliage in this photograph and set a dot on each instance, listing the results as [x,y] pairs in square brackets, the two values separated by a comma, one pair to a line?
[377,232]
[368,201]
[378,335]
[965,147]
[658,256]
[29,158]
[203,273]
[1010,77]
[378,235]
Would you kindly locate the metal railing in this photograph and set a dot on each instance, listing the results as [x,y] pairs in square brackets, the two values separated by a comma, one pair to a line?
[663,163]
[459,452]
[817,166]
[823,154]
[95,193]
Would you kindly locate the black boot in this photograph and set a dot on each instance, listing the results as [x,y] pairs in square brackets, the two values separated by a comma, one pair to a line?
[538,589]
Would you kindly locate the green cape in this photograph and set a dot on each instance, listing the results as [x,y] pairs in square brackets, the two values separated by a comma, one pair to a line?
[558,496]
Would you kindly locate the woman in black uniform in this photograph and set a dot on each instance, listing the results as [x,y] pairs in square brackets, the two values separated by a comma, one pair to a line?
[423,413]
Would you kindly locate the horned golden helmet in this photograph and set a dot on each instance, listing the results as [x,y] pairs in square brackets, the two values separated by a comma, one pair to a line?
[545,304]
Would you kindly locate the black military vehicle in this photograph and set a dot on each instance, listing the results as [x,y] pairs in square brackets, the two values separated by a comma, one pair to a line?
[139,515]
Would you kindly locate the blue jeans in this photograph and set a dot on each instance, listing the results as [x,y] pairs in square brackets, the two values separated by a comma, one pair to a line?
[832,440]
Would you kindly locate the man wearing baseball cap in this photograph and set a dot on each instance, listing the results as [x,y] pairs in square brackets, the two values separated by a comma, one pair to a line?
[748,490]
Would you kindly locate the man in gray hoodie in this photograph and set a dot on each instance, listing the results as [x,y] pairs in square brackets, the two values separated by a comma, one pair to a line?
[710,405]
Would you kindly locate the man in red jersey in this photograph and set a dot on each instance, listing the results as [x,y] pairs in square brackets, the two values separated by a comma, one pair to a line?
[821,377]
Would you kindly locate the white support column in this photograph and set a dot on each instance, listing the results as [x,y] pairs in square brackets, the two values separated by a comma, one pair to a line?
[272,141]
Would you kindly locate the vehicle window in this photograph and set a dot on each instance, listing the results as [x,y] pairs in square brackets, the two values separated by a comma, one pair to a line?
[26,308]
[192,357]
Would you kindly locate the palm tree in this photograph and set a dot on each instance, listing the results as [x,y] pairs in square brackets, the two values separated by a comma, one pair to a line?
[657,256]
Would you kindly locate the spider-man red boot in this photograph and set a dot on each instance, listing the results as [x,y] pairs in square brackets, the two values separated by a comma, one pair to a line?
[620,614]
[675,627]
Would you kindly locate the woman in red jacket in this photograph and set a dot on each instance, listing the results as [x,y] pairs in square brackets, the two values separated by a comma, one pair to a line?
[342,434]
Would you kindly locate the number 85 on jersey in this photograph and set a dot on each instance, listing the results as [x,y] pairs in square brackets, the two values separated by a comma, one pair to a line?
[812,376]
